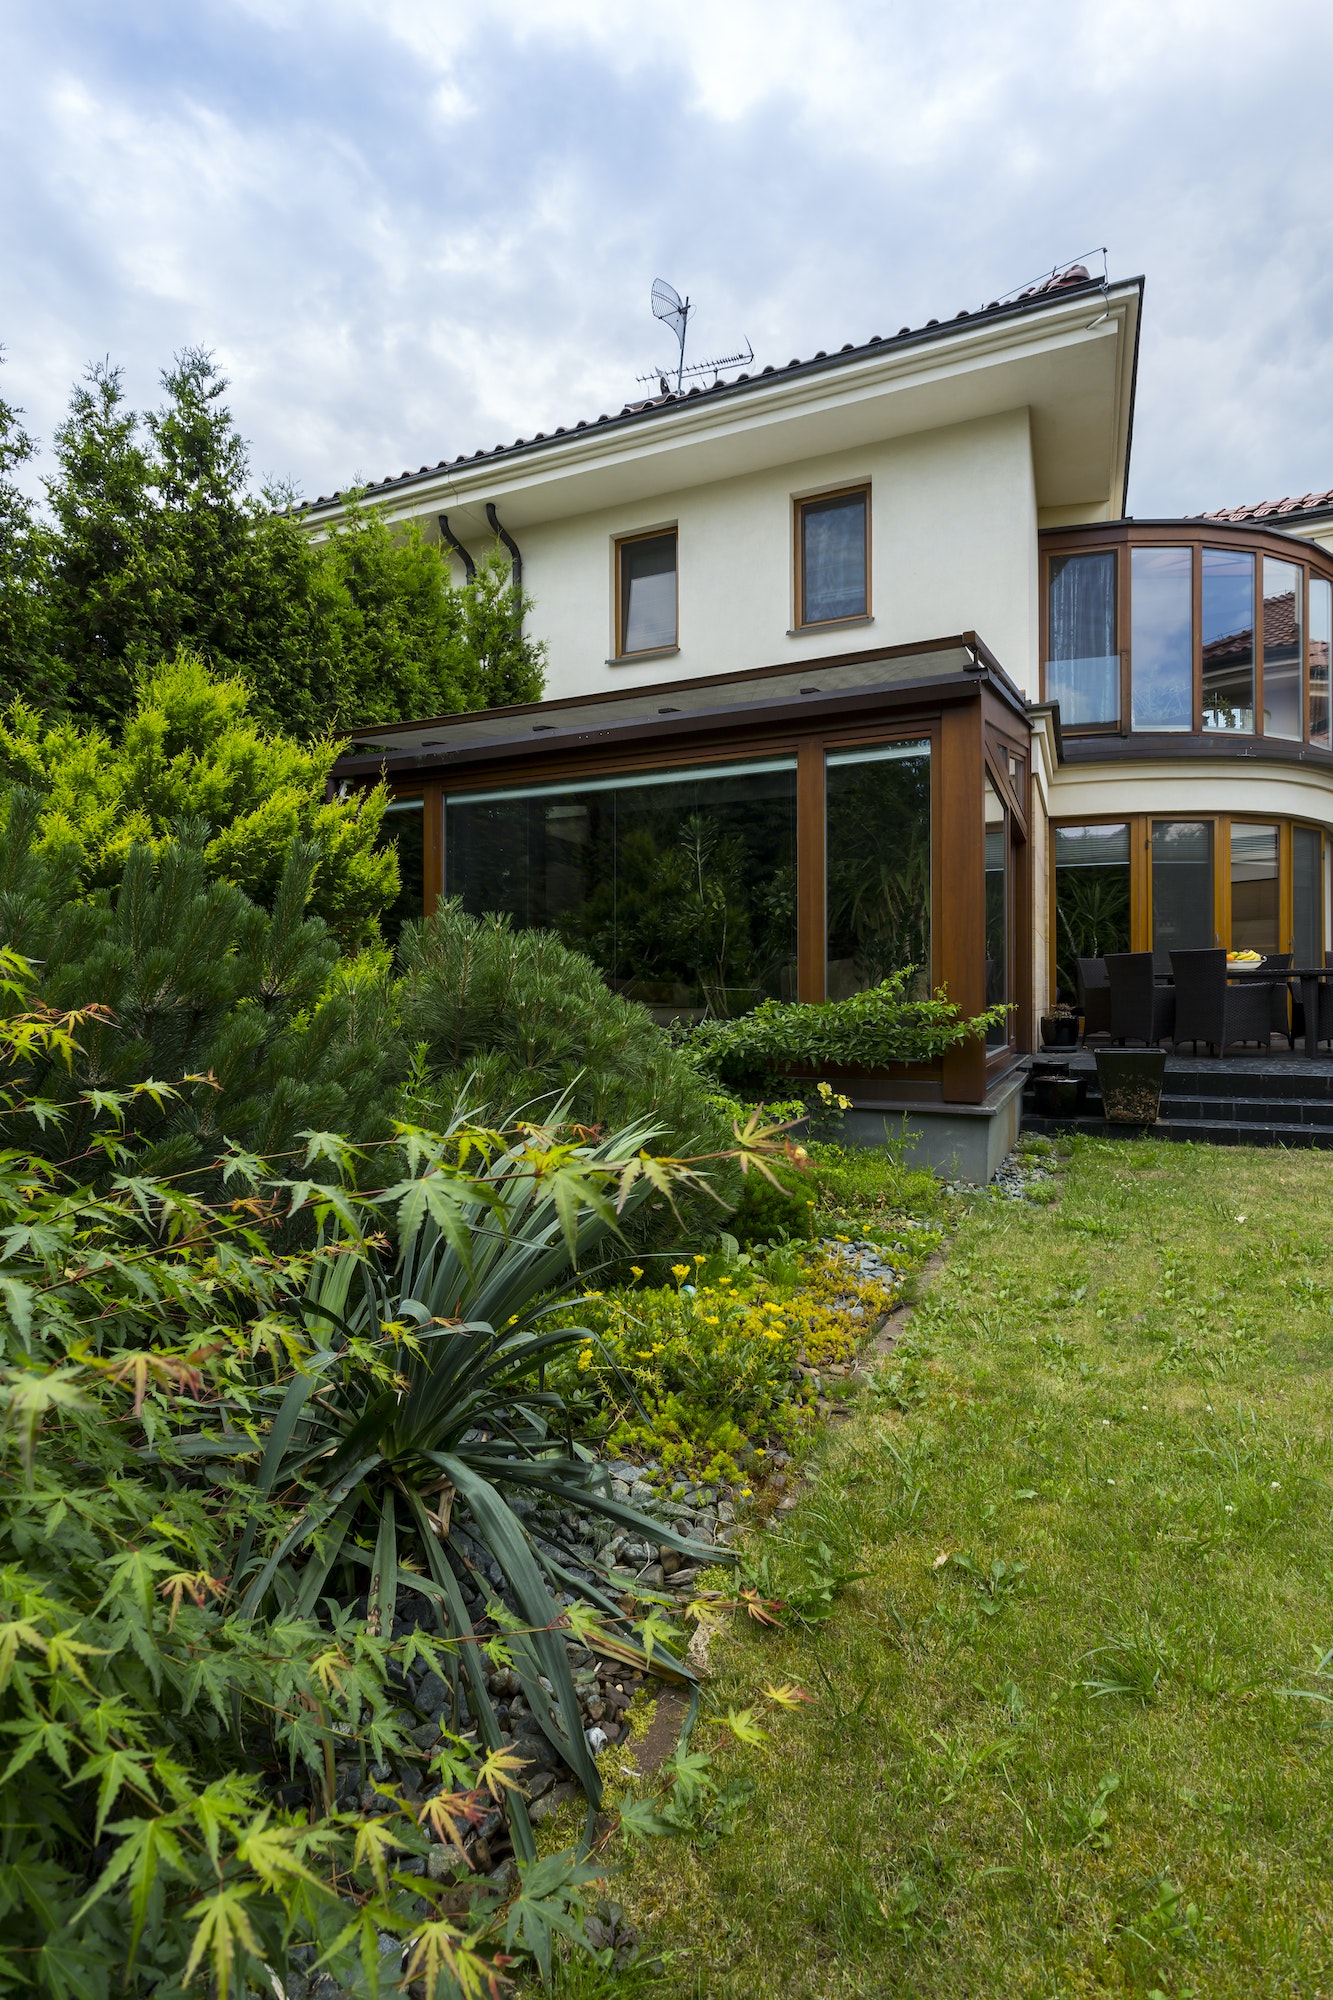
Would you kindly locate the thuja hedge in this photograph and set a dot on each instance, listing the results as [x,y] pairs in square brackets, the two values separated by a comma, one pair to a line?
[867,1031]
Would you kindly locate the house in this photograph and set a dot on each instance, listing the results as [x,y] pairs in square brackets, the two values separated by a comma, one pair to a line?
[858,663]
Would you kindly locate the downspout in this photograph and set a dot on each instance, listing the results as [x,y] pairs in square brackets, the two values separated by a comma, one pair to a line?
[447,535]
[516,561]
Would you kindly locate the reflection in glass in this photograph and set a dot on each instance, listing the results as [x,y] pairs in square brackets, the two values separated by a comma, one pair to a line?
[1254,888]
[1321,644]
[404,822]
[1091,898]
[1083,668]
[1306,895]
[1182,888]
[679,885]
[877,803]
[833,558]
[648,593]
[1282,648]
[1162,638]
[997,910]
[1228,640]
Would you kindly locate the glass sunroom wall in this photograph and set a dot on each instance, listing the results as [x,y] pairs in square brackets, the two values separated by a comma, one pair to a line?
[404,824]
[1092,898]
[1282,649]
[877,867]
[679,885]
[1256,908]
[1307,895]
[1083,664]
[1227,639]
[998,909]
[1162,638]
[1321,648]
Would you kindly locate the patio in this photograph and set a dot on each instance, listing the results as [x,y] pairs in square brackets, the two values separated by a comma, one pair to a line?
[1244,1098]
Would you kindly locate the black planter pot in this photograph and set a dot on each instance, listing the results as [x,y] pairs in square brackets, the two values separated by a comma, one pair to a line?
[1059,1031]
[1060,1096]
[1130,1081]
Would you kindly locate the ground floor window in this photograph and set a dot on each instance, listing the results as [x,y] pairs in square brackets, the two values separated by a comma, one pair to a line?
[999,911]
[1091,898]
[404,825]
[1164,885]
[679,885]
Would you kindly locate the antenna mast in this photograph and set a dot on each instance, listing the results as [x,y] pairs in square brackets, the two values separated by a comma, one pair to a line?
[674,311]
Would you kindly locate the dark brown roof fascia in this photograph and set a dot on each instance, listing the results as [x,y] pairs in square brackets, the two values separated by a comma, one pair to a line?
[765,718]
[454,717]
[1141,748]
[316,510]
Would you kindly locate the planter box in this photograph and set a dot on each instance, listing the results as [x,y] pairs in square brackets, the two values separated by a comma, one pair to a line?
[1131,1084]
[1060,1096]
[1059,1031]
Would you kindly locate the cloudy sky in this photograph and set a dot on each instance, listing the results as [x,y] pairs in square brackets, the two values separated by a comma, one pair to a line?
[410,228]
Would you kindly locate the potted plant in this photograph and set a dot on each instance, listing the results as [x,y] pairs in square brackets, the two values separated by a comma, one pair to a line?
[1059,1028]
[1130,1081]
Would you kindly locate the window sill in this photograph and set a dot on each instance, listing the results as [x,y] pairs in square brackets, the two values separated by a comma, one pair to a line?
[830,625]
[649,653]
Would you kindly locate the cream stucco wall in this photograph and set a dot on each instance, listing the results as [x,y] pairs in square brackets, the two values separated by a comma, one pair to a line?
[1175,790]
[953,548]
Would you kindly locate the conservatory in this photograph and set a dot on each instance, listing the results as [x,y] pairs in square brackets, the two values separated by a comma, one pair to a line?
[797,832]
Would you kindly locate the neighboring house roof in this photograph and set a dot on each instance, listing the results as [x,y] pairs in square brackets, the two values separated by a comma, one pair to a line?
[1265,510]
[1074,279]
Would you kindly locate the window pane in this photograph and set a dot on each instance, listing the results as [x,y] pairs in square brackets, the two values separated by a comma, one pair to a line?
[404,823]
[1228,640]
[1254,888]
[1091,898]
[1306,885]
[1162,638]
[833,558]
[1182,888]
[648,593]
[1083,670]
[877,804]
[997,910]
[679,885]
[1321,643]
[1282,648]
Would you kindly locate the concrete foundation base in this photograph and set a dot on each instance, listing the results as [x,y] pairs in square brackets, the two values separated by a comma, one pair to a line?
[960,1142]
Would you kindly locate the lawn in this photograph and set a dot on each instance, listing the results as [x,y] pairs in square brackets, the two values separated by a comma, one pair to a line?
[1054,1747]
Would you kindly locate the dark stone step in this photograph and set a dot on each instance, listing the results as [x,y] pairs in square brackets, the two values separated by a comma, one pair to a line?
[1198,1131]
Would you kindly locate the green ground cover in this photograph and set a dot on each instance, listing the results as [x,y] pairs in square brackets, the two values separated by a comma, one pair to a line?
[1057,1745]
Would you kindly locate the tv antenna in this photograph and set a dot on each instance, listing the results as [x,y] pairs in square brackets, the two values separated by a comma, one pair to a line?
[674,311]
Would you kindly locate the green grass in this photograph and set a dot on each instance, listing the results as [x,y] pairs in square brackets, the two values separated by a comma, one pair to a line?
[1053,1752]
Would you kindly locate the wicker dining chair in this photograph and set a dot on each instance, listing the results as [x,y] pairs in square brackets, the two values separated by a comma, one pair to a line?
[1094,996]
[1141,1011]
[1283,1009]
[1211,1010]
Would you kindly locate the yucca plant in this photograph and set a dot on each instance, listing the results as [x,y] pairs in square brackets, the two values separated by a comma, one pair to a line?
[405,1473]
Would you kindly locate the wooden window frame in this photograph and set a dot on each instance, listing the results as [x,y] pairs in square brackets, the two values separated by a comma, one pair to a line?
[619,655]
[800,502]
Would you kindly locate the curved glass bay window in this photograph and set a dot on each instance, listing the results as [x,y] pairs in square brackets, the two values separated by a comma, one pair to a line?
[1228,640]
[1182,888]
[1091,898]
[1162,638]
[1256,915]
[1082,664]
[1229,630]
[877,808]
[999,900]
[679,885]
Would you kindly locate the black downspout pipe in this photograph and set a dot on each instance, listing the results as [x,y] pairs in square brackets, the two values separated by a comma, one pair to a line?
[516,559]
[447,535]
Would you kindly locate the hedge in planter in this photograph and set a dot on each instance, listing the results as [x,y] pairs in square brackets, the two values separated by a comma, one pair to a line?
[868,1031]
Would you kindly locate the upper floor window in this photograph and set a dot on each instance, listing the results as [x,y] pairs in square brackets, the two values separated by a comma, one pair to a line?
[1162,638]
[646,593]
[1083,664]
[1321,644]
[833,558]
[1282,649]
[1228,640]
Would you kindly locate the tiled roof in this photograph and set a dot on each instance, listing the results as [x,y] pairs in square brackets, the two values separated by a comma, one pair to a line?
[1266,510]
[1075,278]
